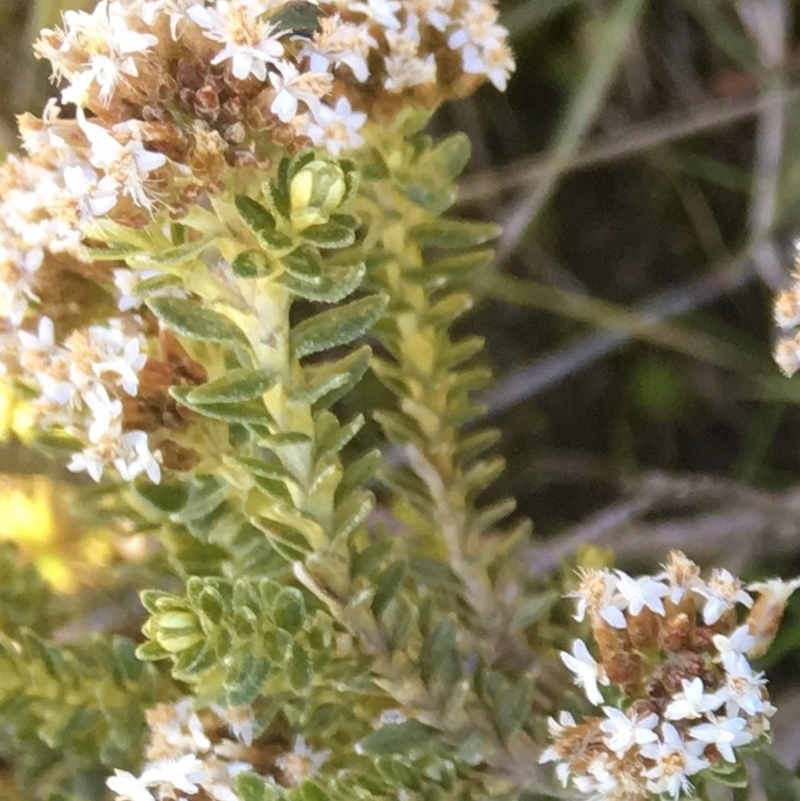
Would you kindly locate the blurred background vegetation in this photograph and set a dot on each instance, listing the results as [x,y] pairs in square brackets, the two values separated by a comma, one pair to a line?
[645,165]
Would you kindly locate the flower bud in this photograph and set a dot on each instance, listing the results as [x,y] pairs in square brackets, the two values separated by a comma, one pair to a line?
[317,190]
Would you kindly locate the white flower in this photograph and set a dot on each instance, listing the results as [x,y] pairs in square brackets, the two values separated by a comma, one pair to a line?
[90,460]
[622,731]
[54,390]
[556,729]
[250,44]
[240,721]
[404,66]
[437,13]
[125,282]
[743,686]
[301,762]
[382,12]
[722,592]
[636,594]
[121,355]
[484,50]
[43,341]
[292,86]
[693,702]
[338,42]
[675,762]
[127,787]
[105,37]
[128,165]
[183,774]
[149,10]
[93,196]
[587,672]
[740,642]
[336,128]
[595,591]
[682,575]
[135,457]
[725,733]
[106,414]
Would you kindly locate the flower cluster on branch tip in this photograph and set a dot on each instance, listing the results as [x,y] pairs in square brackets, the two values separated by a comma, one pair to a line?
[173,99]
[674,682]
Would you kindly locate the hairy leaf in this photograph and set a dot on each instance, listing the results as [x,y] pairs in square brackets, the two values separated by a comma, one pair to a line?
[190,319]
[242,384]
[338,326]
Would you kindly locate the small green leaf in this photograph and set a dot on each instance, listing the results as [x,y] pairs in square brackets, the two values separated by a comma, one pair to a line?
[733,775]
[289,609]
[238,385]
[386,587]
[278,190]
[512,708]
[116,233]
[358,473]
[398,738]
[250,264]
[456,234]
[155,285]
[331,235]
[297,17]
[254,215]
[337,436]
[352,513]
[211,605]
[248,681]
[173,257]
[278,489]
[115,252]
[250,787]
[304,264]
[206,494]
[151,651]
[438,659]
[234,412]
[452,268]
[298,669]
[192,663]
[188,318]
[308,790]
[337,326]
[166,498]
[460,352]
[450,156]
[151,600]
[267,466]
[324,384]
[261,223]
[335,283]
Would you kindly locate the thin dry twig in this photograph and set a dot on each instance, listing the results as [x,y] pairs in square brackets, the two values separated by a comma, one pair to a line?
[533,379]
[584,106]
[625,143]
[714,520]
[768,23]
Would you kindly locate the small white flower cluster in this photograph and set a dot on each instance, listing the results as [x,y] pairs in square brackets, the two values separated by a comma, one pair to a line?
[166,79]
[82,384]
[675,650]
[187,757]
[29,233]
